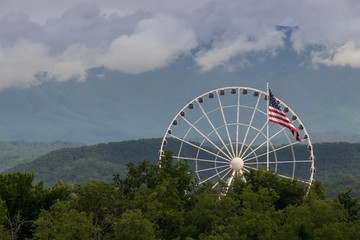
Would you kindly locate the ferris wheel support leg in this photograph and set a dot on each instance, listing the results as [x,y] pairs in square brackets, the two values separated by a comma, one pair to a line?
[241,173]
[229,181]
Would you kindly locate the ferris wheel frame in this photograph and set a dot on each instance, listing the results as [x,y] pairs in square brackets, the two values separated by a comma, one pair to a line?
[233,157]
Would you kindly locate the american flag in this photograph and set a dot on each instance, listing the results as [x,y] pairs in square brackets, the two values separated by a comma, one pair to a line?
[276,115]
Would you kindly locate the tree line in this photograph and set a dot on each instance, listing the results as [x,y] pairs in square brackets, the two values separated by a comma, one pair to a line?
[168,203]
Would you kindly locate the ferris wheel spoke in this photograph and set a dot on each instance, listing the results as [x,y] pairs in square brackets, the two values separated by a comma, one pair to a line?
[222,178]
[198,147]
[245,166]
[216,146]
[188,131]
[213,168]
[226,126]
[211,177]
[186,134]
[215,185]
[249,146]
[274,150]
[237,122]
[280,175]
[200,160]
[265,142]
[303,181]
[279,162]
[248,128]
[213,127]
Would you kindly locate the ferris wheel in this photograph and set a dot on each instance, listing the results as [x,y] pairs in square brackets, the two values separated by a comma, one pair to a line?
[226,132]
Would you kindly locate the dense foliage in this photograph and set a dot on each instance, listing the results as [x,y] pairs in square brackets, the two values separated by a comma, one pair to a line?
[167,203]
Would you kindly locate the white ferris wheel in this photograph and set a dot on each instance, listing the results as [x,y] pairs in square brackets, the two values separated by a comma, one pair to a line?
[225,132]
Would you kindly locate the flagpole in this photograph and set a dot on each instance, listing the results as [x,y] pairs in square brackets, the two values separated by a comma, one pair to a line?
[267,126]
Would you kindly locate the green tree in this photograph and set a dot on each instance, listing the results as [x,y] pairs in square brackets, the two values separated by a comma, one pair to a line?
[152,175]
[290,191]
[22,202]
[162,194]
[133,226]
[203,216]
[333,231]
[318,189]
[59,191]
[350,204]
[63,222]
[256,217]
[313,219]
[4,233]
[166,209]
[99,199]
[354,230]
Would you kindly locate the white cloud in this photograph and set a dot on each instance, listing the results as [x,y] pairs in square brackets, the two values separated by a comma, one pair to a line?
[22,63]
[347,54]
[154,44]
[19,64]
[135,36]
[72,63]
[220,54]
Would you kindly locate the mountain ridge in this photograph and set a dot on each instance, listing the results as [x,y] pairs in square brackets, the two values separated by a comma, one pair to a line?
[13,153]
[336,163]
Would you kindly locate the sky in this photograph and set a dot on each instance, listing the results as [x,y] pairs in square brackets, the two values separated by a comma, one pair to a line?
[46,40]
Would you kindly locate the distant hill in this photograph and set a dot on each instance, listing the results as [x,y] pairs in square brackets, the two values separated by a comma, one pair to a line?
[336,163]
[13,153]
[334,136]
[98,161]
[338,166]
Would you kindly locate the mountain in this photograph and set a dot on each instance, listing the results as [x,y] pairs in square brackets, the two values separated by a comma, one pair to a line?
[98,161]
[336,163]
[15,152]
[113,106]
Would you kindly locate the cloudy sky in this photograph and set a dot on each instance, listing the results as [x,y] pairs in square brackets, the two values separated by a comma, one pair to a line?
[42,40]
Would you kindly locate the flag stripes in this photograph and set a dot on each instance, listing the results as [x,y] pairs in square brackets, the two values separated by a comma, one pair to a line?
[276,115]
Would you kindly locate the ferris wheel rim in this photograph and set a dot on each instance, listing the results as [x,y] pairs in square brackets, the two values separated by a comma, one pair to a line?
[230,154]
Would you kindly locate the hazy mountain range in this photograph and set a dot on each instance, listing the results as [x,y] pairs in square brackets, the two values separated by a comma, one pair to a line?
[113,106]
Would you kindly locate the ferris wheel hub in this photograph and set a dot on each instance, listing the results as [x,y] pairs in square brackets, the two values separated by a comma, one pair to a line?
[237,163]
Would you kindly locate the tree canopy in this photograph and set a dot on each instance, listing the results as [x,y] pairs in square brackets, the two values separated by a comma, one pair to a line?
[167,202]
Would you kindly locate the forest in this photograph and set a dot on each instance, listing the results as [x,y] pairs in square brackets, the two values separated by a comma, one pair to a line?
[168,203]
